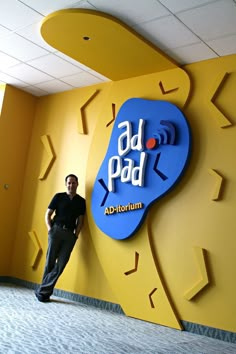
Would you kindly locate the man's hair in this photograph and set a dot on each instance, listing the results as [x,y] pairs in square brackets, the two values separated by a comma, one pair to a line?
[71,175]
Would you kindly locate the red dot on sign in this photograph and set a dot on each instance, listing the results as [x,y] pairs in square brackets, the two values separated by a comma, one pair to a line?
[151,143]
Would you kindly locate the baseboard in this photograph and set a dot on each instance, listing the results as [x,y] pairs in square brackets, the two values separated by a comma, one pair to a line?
[109,306]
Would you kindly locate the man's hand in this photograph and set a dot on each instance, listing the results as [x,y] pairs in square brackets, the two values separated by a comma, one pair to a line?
[79,223]
[48,218]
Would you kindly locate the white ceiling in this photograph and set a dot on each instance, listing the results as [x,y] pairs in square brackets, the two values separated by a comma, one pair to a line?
[187,30]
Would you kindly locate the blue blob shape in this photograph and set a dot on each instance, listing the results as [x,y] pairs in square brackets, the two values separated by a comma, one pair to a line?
[119,213]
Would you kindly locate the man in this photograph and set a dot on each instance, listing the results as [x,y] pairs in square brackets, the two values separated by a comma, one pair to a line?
[63,231]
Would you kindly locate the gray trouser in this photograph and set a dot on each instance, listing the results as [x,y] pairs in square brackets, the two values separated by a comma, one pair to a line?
[60,245]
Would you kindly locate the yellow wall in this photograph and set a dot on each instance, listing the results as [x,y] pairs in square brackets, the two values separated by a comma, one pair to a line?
[16,121]
[58,118]
[74,123]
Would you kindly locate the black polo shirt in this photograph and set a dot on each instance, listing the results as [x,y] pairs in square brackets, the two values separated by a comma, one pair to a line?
[67,210]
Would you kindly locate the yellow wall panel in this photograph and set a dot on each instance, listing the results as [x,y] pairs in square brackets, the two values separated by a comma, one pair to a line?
[189,217]
[16,121]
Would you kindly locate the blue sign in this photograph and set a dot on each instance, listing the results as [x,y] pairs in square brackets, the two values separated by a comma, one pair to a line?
[148,151]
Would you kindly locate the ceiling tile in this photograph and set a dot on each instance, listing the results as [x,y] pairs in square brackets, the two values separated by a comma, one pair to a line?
[20,48]
[45,7]
[55,66]
[132,11]
[32,33]
[26,73]
[82,66]
[181,5]
[224,46]
[72,61]
[160,32]
[54,86]
[192,53]
[14,14]
[4,31]
[84,5]
[81,79]
[211,21]
[6,61]
[11,80]
[35,91]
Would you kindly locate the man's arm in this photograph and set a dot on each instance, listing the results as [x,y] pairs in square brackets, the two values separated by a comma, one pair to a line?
[48,218]
[80,223]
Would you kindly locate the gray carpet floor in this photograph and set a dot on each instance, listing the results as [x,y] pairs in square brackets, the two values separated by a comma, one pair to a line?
[64,326]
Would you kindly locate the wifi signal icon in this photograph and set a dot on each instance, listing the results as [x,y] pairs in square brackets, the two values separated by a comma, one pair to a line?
[164,136]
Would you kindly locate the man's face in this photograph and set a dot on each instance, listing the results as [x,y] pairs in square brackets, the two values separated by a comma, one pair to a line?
[71,185]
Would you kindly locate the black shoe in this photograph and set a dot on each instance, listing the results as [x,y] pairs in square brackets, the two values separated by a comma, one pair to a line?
[42,298]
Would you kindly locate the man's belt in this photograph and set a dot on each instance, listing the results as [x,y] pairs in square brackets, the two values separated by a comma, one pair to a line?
[64,226]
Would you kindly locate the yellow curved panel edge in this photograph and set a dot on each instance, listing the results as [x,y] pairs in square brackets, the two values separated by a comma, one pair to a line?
[218,184]
[51,156]
[141,293]
[103,43]
[214,91]
[38,248]
[199,253]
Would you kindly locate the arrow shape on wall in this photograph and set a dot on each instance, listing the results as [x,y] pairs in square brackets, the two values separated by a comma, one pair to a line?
[82,129]
[150,297]
[136,265]
[221,118]
[38,249]
[113,114]
[165,92]
[218,184]
[51,156]
[200,255]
